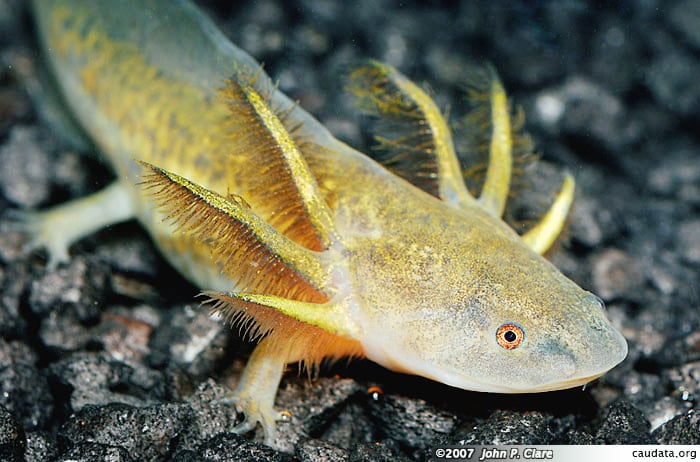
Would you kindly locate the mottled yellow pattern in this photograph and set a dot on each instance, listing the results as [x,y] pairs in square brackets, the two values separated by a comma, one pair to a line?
[166,123]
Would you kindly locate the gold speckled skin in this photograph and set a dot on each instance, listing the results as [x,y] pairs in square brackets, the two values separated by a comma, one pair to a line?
[156,98]
[423,284]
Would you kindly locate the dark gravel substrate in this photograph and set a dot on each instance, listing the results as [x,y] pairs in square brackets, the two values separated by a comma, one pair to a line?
[109,358]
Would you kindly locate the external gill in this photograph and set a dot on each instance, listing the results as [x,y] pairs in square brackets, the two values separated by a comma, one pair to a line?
[236,234]
[240,239]
[420,147]
[282,271]
[494,193]
[417,133]
[298,210]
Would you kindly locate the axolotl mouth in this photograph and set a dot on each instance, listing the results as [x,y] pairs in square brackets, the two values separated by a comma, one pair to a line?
[541,365]
[459,380]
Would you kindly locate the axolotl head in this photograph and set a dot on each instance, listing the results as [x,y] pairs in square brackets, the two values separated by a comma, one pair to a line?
[481,311]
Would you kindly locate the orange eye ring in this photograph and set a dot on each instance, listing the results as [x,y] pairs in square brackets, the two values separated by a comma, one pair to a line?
[510,336]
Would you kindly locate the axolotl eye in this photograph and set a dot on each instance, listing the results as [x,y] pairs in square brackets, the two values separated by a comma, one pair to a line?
[510,336]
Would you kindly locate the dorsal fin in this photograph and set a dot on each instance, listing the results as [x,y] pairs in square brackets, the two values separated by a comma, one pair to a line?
[254,255]
[285,191]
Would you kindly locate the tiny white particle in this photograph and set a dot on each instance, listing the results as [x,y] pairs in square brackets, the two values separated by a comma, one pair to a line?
[549,108]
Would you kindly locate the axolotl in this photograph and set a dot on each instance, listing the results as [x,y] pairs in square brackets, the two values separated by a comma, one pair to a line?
[317,250]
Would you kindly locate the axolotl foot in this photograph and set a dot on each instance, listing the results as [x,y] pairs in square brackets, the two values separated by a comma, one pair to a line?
[56,228]
[254,396]
[254,412]
[37,231]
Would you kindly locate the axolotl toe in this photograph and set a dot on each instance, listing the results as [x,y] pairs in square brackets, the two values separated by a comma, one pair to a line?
[320,251]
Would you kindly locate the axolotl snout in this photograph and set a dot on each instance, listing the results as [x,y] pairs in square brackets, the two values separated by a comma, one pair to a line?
[317,250]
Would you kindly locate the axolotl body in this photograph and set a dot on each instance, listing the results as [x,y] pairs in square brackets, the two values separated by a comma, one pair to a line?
[320,251]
